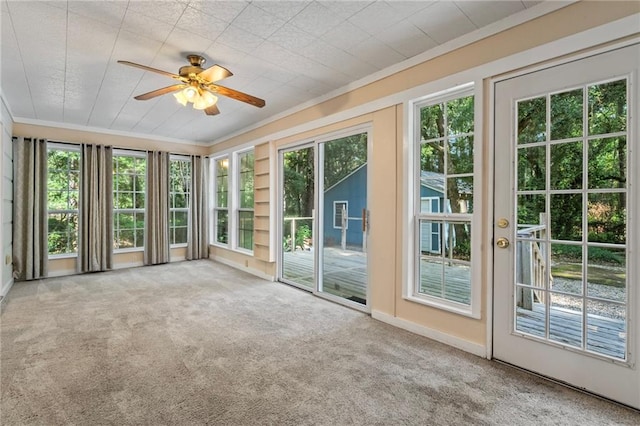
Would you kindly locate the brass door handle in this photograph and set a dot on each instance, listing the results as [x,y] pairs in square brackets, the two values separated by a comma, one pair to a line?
[502,243]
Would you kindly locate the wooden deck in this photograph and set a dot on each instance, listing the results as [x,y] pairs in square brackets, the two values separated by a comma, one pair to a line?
[345,275]
[606,336]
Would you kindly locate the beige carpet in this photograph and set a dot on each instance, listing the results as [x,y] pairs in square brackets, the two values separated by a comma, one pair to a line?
[199,343]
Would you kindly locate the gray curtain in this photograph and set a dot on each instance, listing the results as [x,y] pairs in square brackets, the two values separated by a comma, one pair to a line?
[30,250]
[156,236]
[198,232]
[95,247]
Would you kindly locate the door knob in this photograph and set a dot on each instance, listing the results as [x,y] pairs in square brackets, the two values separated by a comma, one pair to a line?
[502,243]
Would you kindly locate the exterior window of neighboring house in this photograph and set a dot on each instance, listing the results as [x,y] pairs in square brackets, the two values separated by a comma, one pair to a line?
[129,186]
[444,210]
[179,193]
[221,201]
[245,162]
[63,192]
[340,211]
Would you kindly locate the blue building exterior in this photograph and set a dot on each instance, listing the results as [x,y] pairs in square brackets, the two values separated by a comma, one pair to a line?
[352,193]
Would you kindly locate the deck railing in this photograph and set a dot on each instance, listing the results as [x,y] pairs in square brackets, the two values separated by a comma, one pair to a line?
[531,263]
[294,220]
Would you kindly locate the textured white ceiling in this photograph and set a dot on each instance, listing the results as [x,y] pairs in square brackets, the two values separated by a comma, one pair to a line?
[58,58]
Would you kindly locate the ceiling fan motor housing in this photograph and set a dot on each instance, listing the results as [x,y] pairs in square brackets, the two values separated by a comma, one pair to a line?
[196,62]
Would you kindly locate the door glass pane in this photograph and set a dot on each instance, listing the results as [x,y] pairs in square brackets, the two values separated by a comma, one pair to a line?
[607,273]
[607,217]
[532,120]
[297,223]
[566,217]
[566,165]
[565,319]
[532,165]
[566,268]
[606,328]
[531,311]
[566,115]
[608,107]
[608,163]
[343,259]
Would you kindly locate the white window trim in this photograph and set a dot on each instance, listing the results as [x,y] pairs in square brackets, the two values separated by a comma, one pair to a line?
[72,148]
[346,206]
[412,187]
[186,158]
[137,154]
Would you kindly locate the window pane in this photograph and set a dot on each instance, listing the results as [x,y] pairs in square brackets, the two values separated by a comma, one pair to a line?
[222,226]
[460,116]
[459,195]
[432,157]
[62,195]
[245,230]
[460,155]
[432,122]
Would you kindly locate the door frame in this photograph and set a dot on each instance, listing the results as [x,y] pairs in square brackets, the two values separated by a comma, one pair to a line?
[605,33]
[319,210]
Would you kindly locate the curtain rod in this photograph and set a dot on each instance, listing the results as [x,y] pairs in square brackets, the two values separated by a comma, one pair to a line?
[114,147]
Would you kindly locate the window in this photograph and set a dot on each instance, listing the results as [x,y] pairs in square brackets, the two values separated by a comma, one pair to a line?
[63,192]
[444,208]
[340,207]
[221,202]
[245,200]
[179,193]
[129,185]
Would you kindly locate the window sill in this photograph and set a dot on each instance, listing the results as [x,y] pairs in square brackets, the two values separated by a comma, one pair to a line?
[182,245]
[62,256]
[445,305]
[128,250]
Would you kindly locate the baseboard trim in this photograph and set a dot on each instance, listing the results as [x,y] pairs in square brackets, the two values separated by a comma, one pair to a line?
[235,265]
[5,290]
[447,339]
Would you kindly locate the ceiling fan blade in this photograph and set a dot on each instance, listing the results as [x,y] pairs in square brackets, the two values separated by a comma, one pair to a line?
[212,110]
[234,94]
[158,92]
[215,73]
[157,71]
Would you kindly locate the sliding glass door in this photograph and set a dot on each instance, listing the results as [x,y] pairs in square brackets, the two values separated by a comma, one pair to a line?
[324,218]
[298,199]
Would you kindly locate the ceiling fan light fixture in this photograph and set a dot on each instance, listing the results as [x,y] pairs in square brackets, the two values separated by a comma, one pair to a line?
[191,93]
[205,100]
[181,98]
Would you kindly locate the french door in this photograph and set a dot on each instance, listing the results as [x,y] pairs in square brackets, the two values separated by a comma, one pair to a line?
[323,211]
[566,226]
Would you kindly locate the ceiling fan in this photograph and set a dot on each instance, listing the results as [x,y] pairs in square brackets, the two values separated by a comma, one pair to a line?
[197,85]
